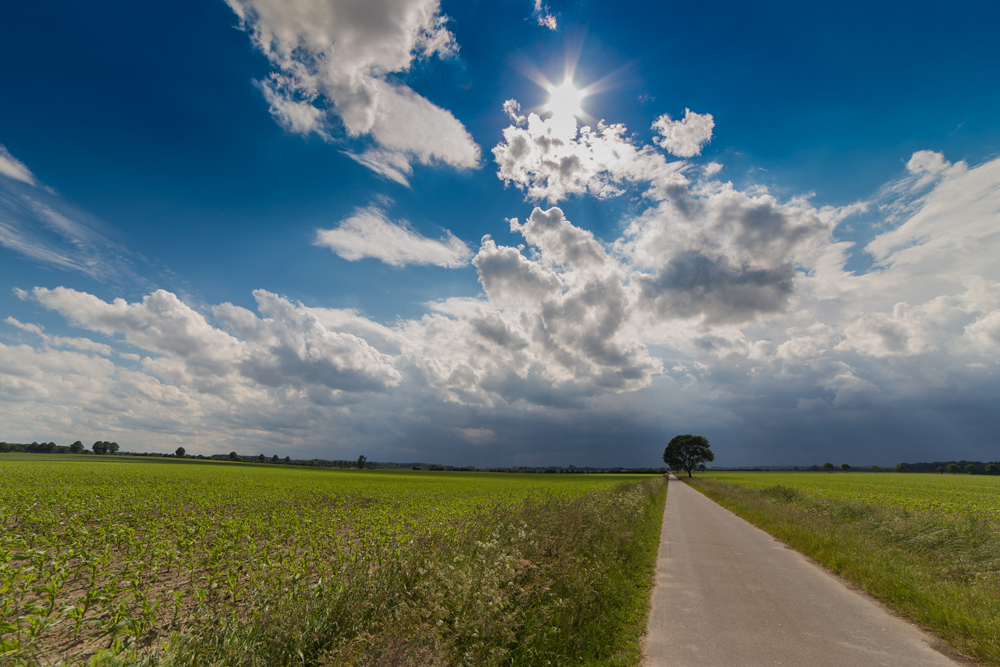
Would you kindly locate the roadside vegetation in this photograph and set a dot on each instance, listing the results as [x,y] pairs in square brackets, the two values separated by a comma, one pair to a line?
[926,545]
[171,563]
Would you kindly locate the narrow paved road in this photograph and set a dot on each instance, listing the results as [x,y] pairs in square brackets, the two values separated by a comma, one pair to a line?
[729,595]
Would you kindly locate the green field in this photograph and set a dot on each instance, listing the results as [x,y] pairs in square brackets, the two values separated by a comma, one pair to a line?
[175,562]
[927,545]
[947,493]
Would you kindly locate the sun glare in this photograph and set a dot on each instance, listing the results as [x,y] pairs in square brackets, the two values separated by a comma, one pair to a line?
[565,99]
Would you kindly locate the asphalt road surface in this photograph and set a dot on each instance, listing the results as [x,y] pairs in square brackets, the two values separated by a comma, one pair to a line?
[728,594]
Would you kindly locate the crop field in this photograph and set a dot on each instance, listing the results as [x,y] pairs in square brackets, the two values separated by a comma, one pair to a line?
[947,493]
[928,545]
[162,562]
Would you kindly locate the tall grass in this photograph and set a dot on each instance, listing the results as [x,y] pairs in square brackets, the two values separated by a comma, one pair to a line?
[939,569]
[560,581]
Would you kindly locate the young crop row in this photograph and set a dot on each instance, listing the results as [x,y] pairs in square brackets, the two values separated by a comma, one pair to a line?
[121,559]
[957,494]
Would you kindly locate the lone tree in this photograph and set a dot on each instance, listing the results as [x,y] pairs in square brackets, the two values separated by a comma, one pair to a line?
[179,453]
[940,469]
[105,447]
[233,456]
[972,468]
[828,466]
[953,468]
[900,467]
[845,466]
[687,452]
[361,461]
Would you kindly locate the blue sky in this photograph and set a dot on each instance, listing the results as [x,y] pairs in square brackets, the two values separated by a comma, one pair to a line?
[309,228]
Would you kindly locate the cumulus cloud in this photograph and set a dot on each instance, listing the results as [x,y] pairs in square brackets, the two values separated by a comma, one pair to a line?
[685,137]
[11,167]
[721,255]
[331,59]
[715,306]
[297,349]
[551,329]
[755,286]
[700,251]
[82,344]
[289,347]
[552,159]
[369,233]
[571,302]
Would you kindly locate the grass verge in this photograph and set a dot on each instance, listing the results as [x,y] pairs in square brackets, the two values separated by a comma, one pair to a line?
[554,582]
[939,570]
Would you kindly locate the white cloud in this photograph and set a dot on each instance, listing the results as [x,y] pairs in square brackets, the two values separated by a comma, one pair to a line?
[512,108]
[685,137]
[408,124]
[551,159]
[290,346]
[734,277]
[544,15]
[81,344]
[14,238]
[369,233]
[721,255]
[702,251]
[332,58]
[11,167]
[743,295]
[297,349]
[43,228]
[945,229]
[903,332]
[388,164]
[570,301]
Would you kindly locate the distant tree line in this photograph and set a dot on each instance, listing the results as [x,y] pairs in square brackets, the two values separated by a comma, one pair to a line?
[972,467]
[962,465]
[99,447]
[106,447]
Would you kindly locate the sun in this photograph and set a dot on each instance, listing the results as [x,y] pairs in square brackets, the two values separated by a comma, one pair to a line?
[565,99]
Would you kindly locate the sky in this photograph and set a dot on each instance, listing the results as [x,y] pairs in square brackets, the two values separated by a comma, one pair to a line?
[503,233]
